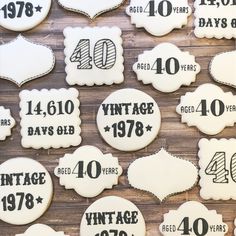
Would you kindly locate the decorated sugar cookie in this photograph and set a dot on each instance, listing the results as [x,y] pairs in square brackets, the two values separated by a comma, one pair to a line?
[26,190]
[90,8]
[215,18]
[217,161]
[112,216]
[208,108]
[128,119]
[159,17]
[193,218]
[222,68]
[94,56]
[144,171]
[88,171]
[50,118]
[166,68]
[39,230]
[23,15]
[6,123]
[24,51]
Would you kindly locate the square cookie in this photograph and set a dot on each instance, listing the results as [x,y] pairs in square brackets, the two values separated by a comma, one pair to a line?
[94,56]
[50,118]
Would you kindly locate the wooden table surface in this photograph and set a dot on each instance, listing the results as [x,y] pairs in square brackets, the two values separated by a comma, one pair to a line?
[67,207]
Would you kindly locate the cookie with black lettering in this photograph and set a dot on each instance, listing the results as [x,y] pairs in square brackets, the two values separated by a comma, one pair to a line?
[7,122]
[208,108]
[23,15]
[128,119]
[217,161]
[94,56]
[50,118]
[166,67]
[26,190]
[28,69]
[88,171]
[215,18]
[112,216]
[194,219]
[159,17]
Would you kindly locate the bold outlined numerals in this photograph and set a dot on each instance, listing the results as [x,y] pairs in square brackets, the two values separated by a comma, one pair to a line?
[217,167]
[104,54]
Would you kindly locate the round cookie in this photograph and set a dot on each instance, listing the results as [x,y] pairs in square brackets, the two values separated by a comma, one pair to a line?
[23,15]
[112,216]
[129,119]
[26,190]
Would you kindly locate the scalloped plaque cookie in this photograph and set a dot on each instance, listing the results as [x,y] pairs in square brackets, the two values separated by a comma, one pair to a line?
[24,51]
[166,67]
[217,161]
[215,18]
[26,190]
[112,216]
[208,108]
[50,118]
[193,218]
[88,171]
[222,68]
[148,173]
[94,56]
[39,230]
[128,119]
[159,17]
[24,14]
[6,123]
[90,8]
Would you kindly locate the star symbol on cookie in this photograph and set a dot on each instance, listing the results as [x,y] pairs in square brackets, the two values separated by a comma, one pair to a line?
[39,200]
[149,128]
[38,8]
[107,128]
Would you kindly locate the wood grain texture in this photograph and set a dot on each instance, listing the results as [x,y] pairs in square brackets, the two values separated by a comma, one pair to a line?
[67,207]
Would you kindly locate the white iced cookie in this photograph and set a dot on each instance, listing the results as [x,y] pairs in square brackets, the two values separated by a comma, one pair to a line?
[215,19]
[112,216]
[88,171]
[23,15]
[26,190]
[166,67]
[24,51]
[194,219]
[6,123]
[150,174]
[39,230]
[159,17]
[94,56]
[90,8]
[208,108]
[222,68]
[128,119]
[217,161]
[50,118]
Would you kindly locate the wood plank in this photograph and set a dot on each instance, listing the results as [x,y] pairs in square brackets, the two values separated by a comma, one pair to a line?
[67,207]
